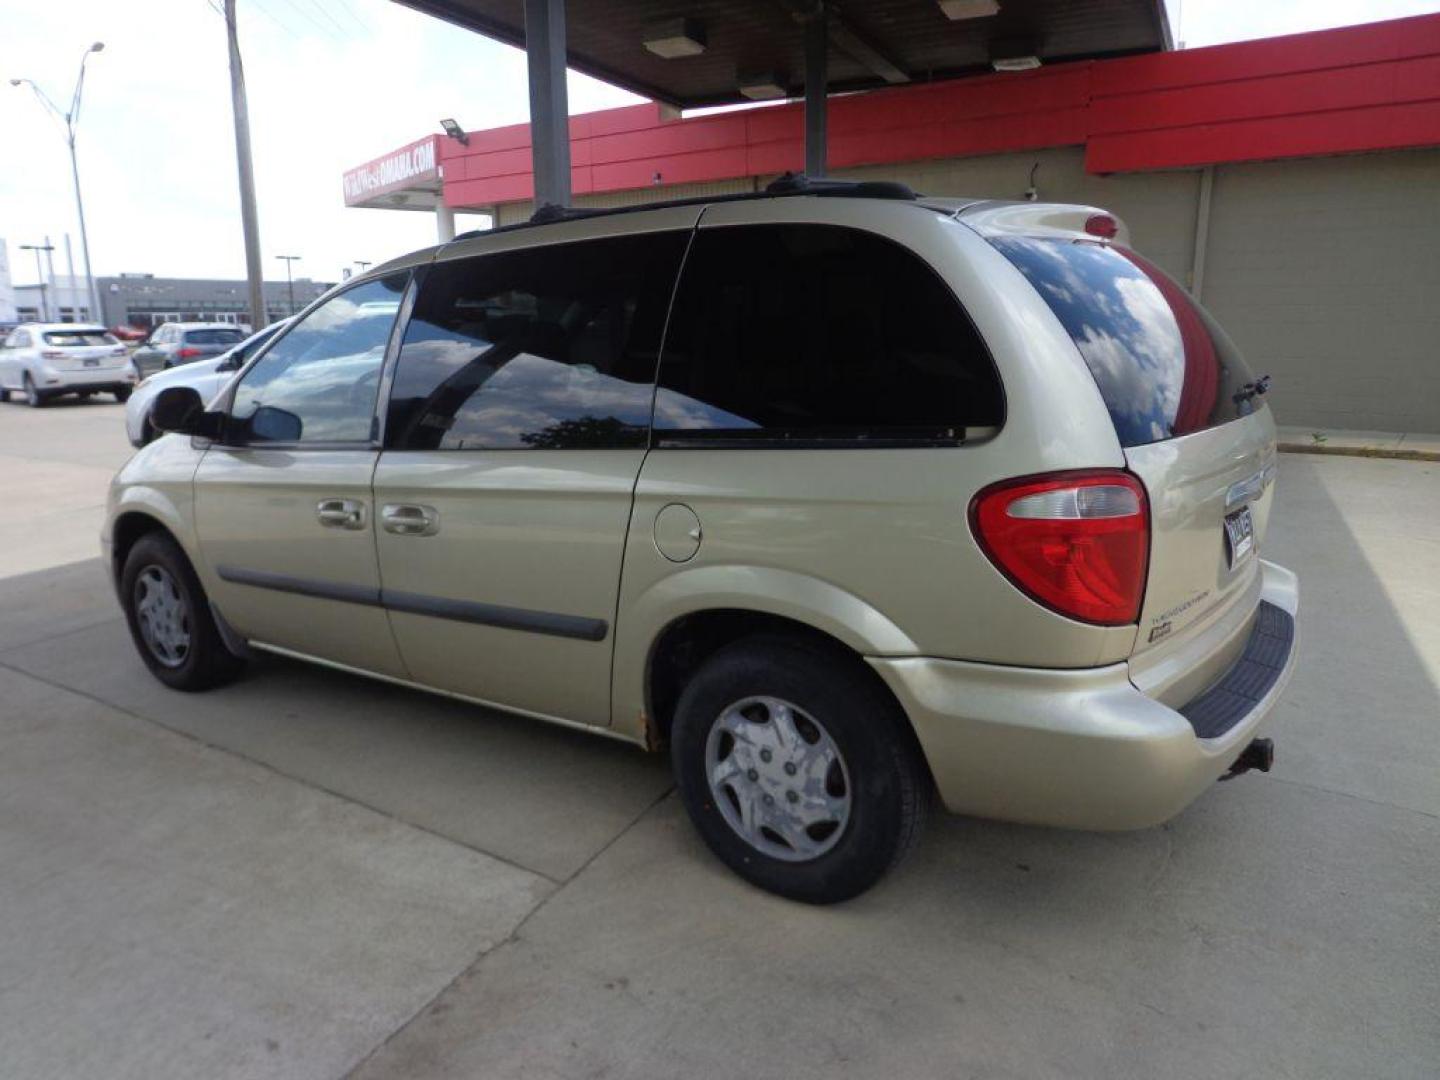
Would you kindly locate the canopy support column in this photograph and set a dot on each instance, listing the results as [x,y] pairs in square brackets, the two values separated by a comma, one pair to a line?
[817,63]
[549,103]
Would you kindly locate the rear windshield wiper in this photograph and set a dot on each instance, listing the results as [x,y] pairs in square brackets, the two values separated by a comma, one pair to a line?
[1251,390]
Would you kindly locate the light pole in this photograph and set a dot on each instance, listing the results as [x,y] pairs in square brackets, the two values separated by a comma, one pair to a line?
[46,247]
[71,120]
[289,281]
[363,265]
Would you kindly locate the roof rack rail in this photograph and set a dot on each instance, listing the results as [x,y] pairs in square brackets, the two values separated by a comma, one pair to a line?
[550,212]
[800,184]
[789,184]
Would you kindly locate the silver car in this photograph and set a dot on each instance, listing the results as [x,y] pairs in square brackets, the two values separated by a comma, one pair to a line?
[172,344]
[206,376]
[844,498]
[41,361]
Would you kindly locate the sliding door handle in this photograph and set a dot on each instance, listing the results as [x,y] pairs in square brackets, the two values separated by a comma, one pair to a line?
[410,519]
[341,513]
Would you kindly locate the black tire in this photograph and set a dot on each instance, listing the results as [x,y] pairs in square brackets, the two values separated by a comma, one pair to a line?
[886,779]
[4,395]
[205,662]
[33,397]
[122,395]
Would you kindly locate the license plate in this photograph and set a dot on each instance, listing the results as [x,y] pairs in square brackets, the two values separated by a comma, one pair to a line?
[91,363]
[1239,535]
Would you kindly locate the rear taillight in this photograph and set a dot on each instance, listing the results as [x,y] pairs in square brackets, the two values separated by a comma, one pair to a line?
[119,350]
[187,354]
[1076,542]
[53,354]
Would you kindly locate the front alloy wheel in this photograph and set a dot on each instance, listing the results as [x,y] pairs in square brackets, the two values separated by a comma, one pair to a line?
[163,616]
[170,619]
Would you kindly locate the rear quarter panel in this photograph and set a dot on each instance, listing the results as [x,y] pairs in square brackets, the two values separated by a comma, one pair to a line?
[874,546]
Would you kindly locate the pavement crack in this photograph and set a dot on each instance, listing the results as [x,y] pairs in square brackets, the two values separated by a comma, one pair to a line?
[510,938]
[258,763]
[1351,795]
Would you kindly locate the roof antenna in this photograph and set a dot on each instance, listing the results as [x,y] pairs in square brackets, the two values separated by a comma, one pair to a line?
[1031,192]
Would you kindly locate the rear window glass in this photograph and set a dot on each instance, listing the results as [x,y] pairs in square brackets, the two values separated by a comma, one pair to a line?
[73,339]
[1163,365]
[214,337]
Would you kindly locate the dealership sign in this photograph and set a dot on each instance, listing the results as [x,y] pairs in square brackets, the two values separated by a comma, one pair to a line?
[406,168]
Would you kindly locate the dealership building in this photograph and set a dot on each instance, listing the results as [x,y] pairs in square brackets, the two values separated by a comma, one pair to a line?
[144,300]
[1292,184]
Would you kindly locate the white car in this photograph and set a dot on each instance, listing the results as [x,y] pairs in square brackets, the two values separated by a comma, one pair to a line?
[206,376]
[40,361]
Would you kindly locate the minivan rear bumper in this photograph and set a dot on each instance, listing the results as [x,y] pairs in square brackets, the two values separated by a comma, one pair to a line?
[1081,748]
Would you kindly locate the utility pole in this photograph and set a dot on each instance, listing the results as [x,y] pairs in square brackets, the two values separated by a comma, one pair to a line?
[50,275]
[71,120]
[363,265]
[40,275]
[249,220]
[289,281]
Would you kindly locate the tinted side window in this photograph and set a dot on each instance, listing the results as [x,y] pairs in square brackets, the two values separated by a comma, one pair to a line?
[546,348]
[318,383]
[819,332]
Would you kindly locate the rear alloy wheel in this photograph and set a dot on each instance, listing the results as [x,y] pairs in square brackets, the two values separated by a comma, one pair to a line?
[169,617]
[778,778]
[32,395]
[798,768]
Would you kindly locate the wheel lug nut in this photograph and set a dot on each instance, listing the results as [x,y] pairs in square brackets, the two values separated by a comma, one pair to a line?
[789,768]
[792,796]
[752,775]
[765,755]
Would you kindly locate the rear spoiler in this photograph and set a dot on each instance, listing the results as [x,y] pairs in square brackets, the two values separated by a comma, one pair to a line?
[1058,221]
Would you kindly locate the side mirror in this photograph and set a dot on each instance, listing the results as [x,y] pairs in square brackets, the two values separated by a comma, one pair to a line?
[179,410]
[269,424]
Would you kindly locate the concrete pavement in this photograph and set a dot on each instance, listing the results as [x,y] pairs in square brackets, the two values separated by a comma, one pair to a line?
[309,874]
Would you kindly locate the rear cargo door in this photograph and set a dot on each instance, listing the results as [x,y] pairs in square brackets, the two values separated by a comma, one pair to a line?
[1189,414]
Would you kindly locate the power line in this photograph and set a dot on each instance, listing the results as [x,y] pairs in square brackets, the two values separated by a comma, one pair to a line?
[344,6]
[295,7]
[326,12]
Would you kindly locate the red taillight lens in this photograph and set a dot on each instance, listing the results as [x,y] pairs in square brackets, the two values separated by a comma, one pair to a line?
[187,354]
[1078,542]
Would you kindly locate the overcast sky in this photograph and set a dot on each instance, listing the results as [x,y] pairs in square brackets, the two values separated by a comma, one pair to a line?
[332,84]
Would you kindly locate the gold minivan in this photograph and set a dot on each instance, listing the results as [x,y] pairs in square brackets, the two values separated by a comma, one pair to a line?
[847,497]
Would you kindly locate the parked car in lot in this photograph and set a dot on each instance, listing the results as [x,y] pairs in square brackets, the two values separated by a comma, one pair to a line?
[205,376]
[843,495]
[183,343]
[41,361]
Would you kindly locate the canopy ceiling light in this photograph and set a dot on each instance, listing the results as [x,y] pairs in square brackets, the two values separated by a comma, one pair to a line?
[1014,54]
[1028,62]
[675,38]
[969,9]
[763,86]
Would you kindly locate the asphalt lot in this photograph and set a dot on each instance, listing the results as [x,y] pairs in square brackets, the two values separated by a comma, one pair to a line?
[313,875]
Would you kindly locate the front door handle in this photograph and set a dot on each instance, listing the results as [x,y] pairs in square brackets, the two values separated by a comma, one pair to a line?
[410,519]
[341,513]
